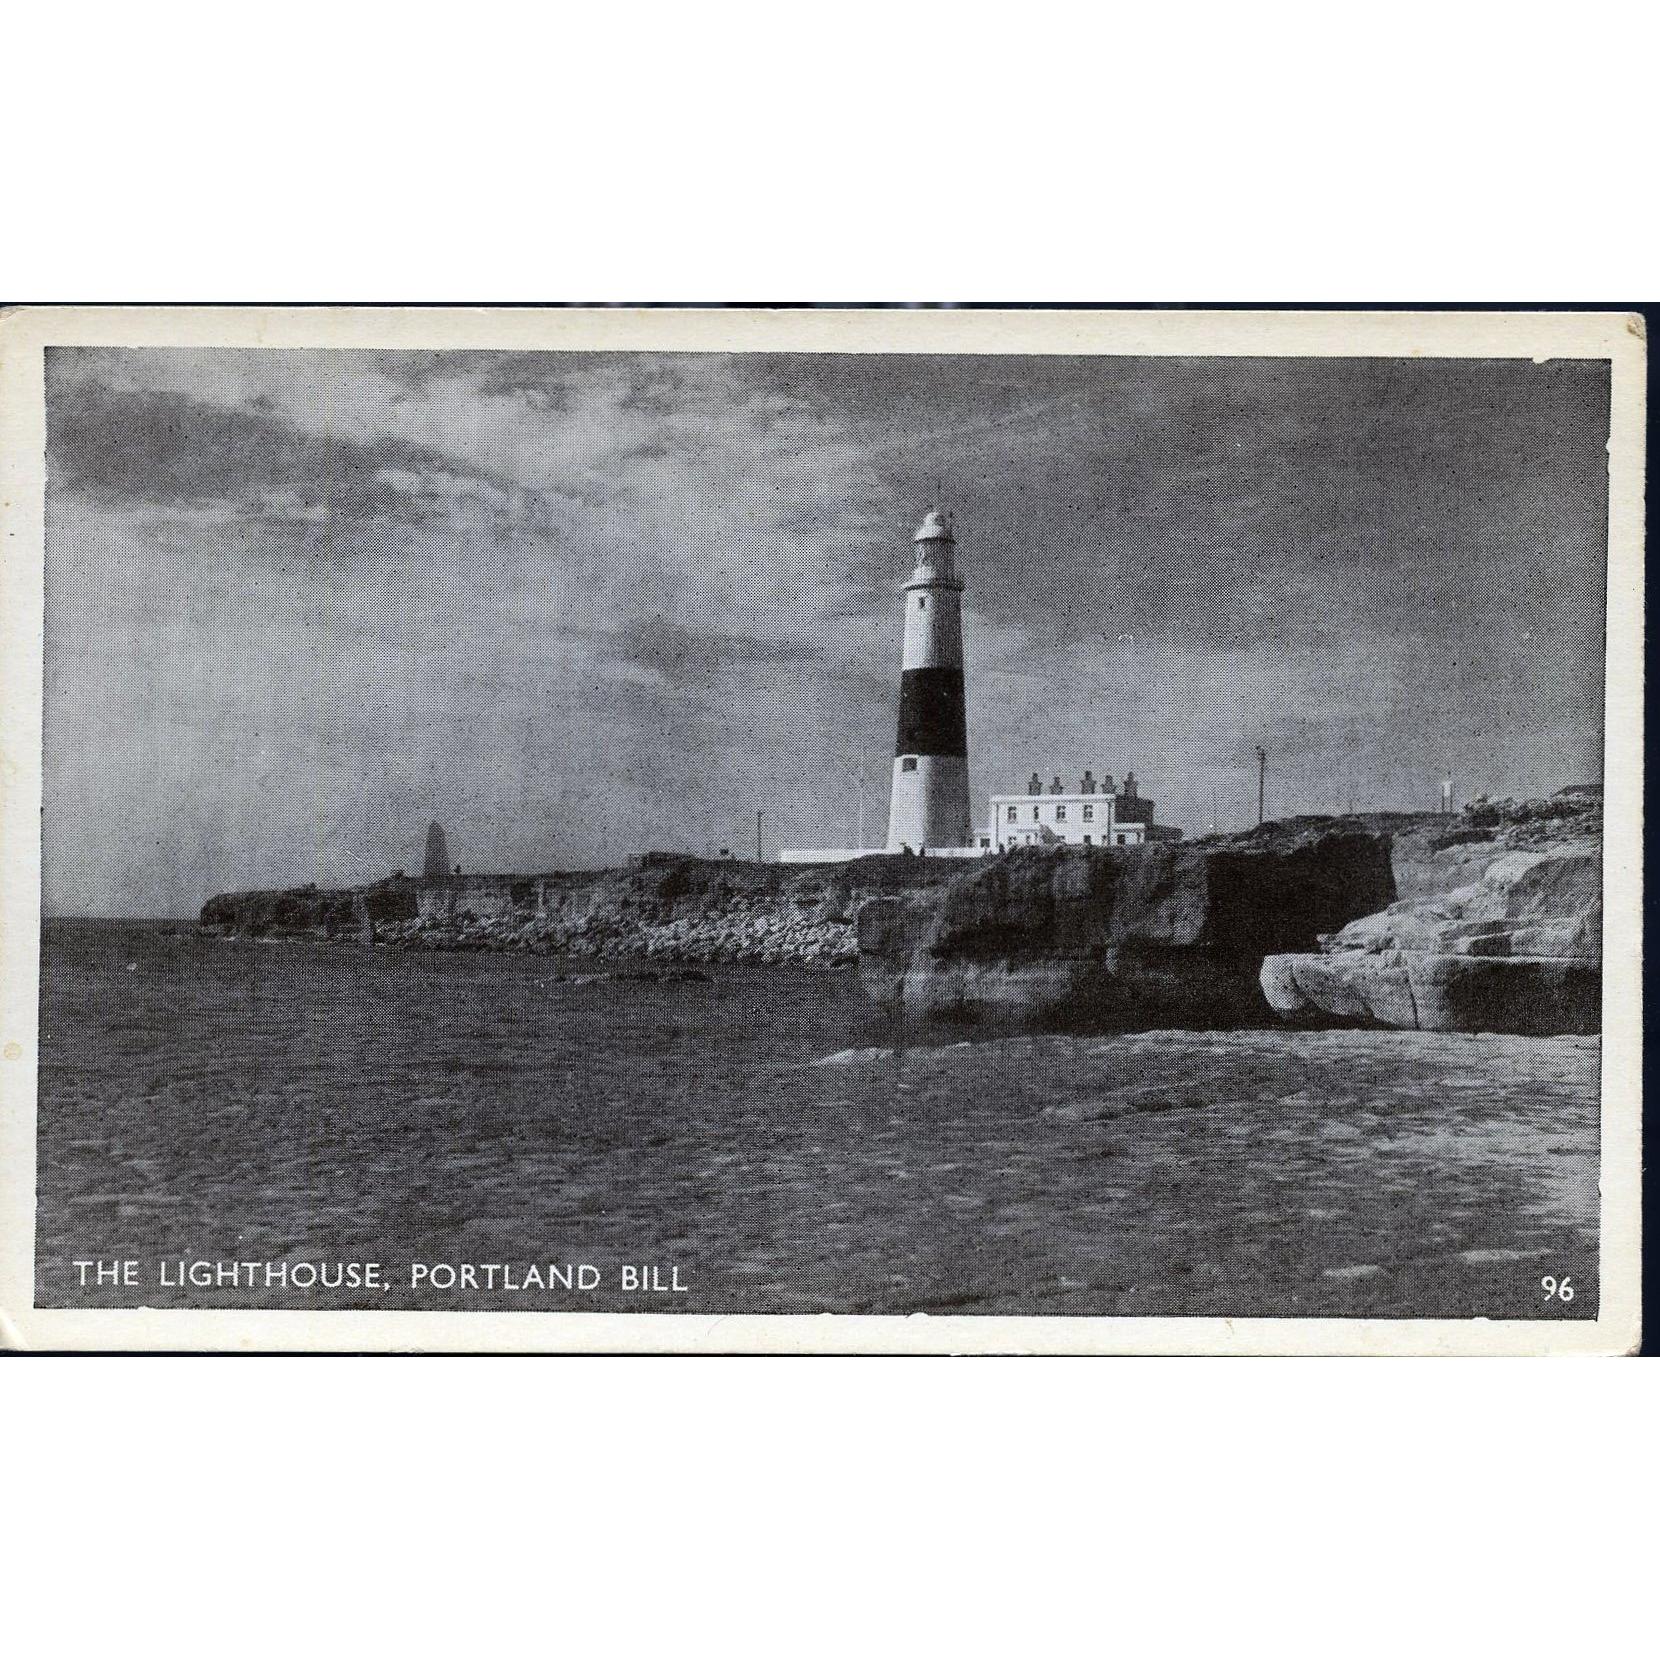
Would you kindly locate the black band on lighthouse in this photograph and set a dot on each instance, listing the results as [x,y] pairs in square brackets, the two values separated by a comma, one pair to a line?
[932,719]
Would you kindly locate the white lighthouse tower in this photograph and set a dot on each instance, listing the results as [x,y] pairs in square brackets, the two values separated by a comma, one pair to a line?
[929,804]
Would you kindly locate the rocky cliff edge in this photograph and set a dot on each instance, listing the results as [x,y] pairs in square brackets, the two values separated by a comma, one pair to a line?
[1165,934]
[1497,928]
[1307,919]
[669,907]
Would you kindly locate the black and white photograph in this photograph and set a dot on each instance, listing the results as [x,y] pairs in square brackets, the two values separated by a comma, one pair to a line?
[727,830]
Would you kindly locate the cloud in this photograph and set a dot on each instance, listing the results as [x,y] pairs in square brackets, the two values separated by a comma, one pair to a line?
[163,449]
[573,604]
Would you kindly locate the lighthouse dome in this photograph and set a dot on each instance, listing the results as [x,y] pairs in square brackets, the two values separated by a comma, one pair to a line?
[933,528]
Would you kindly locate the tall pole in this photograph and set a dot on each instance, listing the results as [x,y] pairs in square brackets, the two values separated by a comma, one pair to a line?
[1262,773]
[758,835]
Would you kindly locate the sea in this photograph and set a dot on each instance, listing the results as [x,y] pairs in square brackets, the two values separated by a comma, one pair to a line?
[257,1124]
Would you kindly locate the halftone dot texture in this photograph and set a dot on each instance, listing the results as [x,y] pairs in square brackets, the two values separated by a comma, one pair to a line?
[300,604]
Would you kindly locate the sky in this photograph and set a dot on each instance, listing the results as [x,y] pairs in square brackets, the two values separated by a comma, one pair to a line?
[574,606]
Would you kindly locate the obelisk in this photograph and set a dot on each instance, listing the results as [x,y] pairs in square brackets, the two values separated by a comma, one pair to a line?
[437,862]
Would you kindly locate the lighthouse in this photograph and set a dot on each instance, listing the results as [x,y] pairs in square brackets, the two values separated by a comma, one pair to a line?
[929,804]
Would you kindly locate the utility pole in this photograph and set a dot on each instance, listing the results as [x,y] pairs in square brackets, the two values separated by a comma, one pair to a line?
[758,835]
[1213,807]
[1262,773]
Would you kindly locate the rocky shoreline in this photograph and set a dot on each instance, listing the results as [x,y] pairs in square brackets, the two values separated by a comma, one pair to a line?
[663,908]
[738,933]
[1487,920]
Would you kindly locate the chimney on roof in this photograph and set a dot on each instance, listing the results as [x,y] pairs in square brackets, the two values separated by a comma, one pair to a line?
[1088,785]
[1035,787]
[1055,788]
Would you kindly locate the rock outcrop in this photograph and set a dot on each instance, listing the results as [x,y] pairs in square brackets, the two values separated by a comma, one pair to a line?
[1498,928]
[322,913]
[1170,934]
[668,908]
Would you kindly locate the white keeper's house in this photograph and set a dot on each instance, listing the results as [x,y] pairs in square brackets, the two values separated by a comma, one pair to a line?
[1093,815]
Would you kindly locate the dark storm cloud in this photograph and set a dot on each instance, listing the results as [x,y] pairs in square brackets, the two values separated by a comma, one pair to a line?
[162,449]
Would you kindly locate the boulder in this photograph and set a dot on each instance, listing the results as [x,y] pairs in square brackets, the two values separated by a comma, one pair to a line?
[1372,990]
[836,903]
[1417,990]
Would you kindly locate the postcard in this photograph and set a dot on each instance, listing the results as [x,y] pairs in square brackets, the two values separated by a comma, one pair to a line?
[821,829]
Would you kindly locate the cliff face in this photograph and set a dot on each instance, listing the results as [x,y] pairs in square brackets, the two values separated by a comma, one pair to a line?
[326,913]
[1498,928]
[1163,934]
[1485,921]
